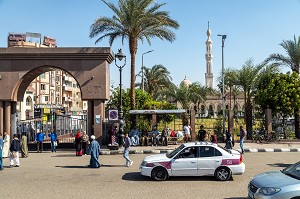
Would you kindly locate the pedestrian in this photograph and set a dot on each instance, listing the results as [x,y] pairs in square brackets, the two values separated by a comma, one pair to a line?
[94,151]
[127,144]
[85,142]
[39,138]
[6,143]
[14,151]
[187,132]
[213,138]
[201,134]
[110,132]
[24,146]
[144,138]
[78,144]
[228,140]
[154,138]
[53,139]
[243,133]
[164,138]
[1,148]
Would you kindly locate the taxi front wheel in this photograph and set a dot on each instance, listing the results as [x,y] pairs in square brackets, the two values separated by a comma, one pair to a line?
[223,173]
[159,174]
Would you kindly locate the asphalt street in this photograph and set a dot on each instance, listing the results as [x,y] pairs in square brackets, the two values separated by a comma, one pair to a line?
[63,175]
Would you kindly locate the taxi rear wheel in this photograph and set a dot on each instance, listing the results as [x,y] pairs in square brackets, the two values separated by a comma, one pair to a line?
[159,174]
[223,173]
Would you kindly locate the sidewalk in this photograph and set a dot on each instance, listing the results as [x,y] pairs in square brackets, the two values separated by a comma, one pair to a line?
[284,146]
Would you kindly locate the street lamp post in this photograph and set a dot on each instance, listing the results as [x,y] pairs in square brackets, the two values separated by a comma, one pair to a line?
[143,68]
[223,86]
[120,56]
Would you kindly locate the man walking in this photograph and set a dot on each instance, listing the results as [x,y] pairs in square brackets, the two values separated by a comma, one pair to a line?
[53,138]
[14,151]
[127,144]
[243,133]
[187,132]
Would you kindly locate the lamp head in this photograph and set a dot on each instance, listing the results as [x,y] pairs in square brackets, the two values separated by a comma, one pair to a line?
[120,55]
[223,36]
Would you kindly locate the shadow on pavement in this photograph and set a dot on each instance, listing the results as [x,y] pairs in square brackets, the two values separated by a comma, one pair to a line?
[279,165]
[64,156]
[237,198]
[136,176]
[107,165]
[75,167]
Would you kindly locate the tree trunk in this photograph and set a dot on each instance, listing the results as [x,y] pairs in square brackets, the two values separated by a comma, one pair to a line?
[133,49]
[248,113]
[297,120]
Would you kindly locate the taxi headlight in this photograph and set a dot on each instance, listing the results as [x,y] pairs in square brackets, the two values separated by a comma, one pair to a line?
[269,190]
[144,163]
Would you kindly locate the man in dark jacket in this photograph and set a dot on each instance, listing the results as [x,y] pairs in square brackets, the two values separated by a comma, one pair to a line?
[14,151]
[201,133]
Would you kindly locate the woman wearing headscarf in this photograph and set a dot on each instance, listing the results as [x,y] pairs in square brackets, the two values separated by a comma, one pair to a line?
[6,143]
[1,147]
[94,151]
[78,144]
[85,142]
[24,146]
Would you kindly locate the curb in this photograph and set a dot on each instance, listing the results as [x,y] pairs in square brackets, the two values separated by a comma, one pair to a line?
[162,151]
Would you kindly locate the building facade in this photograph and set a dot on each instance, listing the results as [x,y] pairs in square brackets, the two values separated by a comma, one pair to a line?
[55,87]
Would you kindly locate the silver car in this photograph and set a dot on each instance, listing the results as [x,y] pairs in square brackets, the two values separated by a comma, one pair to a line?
[283,184]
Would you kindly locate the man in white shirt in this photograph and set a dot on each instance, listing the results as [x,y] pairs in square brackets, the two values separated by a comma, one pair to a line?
[187,133]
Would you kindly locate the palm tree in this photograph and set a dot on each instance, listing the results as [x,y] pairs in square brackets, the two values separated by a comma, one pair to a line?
[156,79]
[198,94]
[190,95]
[292,60]
[136,21]
[247,79]
[230,82]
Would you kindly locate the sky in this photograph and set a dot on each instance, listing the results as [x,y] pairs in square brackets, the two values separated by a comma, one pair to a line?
[254,29]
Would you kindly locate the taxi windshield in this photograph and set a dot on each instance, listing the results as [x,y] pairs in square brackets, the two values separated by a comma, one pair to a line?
[170,155]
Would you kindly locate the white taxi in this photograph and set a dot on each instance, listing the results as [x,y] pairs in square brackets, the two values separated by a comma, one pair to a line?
[194,159]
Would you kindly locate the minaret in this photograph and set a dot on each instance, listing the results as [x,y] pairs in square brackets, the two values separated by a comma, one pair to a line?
[209,77]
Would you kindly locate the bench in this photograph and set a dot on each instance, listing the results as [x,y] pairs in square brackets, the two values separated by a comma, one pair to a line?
[173,140]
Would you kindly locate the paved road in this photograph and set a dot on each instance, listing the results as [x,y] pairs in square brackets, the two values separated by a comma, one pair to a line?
[63,175]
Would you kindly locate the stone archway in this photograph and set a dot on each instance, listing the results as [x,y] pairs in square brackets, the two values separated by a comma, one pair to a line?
[88,66]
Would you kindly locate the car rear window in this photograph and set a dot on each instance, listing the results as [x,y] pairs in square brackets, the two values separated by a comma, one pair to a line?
[208,151]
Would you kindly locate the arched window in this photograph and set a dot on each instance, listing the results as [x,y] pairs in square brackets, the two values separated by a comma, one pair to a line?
[210,110]
[28,101]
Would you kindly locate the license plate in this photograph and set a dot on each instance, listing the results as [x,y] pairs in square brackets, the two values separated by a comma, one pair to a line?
[250,195]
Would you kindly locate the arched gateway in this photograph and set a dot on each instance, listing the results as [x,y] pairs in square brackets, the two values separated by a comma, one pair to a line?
[89,67]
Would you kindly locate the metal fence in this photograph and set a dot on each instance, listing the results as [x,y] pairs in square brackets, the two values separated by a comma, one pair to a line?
[66,127]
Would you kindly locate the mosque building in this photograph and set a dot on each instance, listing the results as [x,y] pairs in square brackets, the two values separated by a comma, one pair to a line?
[212,106]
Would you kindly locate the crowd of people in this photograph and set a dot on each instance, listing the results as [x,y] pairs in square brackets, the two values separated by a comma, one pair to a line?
[85,145]
[143,137]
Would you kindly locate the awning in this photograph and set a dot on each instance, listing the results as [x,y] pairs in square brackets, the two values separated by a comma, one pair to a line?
[151,112]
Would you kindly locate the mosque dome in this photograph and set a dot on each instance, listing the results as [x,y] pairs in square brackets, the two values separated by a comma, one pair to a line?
[185,82]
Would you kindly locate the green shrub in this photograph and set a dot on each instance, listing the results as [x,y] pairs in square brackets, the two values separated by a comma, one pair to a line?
[290,135]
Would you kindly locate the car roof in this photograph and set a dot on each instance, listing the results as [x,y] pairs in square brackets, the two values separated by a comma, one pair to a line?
[188,144]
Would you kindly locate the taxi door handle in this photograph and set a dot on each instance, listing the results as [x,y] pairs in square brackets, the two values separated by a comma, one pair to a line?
[193,162]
